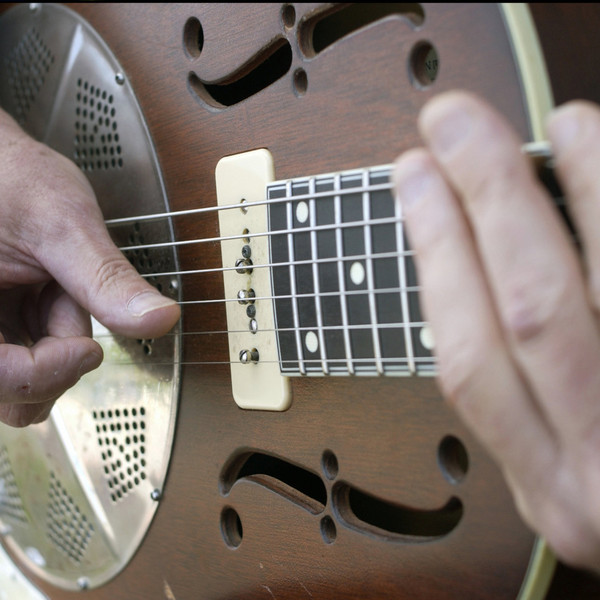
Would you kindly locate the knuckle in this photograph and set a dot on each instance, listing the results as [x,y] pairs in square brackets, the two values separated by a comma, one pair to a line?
[110,274]
[535,302]
[573,541]
[460,363]
[18,415]
[594,291]
[560,515]
[489,184]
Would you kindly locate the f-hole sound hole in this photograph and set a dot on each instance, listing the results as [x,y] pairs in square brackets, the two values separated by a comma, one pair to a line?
[453,459]
[424,65]
[272,63]
[330,465]
[296,477]
[394,522]
[288,16]
[193,37]
[328,530]
[300,82]
[231,527]
[325,28]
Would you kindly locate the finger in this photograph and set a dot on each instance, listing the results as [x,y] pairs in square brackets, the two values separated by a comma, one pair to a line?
[574,131]
[31,390]
[476,372]
[76,249]
[46,370]
[533,271]
[22,415]
[60,315]
[97,275]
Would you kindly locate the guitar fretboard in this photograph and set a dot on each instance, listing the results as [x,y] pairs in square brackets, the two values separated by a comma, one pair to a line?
[344,282]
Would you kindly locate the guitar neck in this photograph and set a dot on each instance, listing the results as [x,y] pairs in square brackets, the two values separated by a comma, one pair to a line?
[342,293]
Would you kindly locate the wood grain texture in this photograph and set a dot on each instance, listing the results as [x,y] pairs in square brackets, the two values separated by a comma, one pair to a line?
[359,110]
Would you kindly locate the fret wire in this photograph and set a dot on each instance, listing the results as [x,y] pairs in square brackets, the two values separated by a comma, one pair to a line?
[366,208]
[403,293]
[340,269]
[312,211]
[292,272]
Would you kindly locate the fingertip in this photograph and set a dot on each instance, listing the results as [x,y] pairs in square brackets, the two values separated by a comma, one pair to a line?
[144,302]
[412,175]
[91,361]
[563,127]
[23,415]
[152,313]
[447,120]
[572,122]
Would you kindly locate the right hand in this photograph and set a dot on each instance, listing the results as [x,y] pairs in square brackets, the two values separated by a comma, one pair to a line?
[58,265]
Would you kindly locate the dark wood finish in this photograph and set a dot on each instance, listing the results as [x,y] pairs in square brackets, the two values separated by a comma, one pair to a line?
[359,109]
[568,37]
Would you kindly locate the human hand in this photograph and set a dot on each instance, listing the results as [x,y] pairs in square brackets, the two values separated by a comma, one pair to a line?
[513,308]
[58,265]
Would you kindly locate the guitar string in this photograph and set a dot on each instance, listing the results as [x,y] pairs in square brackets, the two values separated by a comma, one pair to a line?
[391,290]
[324,260]
[246,205]
[357,326]
[247,235]
[393,361]
[273,233]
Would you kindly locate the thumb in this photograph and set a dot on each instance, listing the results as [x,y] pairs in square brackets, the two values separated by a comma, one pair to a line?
[62,228]
[93,271]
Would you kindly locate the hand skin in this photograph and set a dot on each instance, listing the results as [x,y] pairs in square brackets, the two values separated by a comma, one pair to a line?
[58,265]
[513,308]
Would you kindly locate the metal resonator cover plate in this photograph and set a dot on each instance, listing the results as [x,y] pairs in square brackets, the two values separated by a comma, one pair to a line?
[78,492]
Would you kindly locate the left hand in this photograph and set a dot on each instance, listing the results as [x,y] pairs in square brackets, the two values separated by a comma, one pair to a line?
[513,307]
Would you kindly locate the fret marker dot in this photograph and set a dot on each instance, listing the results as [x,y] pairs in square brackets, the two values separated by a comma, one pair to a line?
[311,341]
[426,337]
[302,212]
[357,273]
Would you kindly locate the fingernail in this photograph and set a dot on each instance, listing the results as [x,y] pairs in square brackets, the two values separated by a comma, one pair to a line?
[412,180]
[89,363]
[146,302]
[446,126]
[563,128]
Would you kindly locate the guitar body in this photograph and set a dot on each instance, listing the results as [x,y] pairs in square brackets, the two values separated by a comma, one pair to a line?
[389,443]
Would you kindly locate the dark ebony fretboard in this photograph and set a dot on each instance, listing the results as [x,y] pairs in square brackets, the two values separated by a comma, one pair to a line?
[346,299]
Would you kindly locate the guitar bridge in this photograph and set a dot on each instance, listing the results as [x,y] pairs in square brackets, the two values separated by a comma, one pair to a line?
[256,379]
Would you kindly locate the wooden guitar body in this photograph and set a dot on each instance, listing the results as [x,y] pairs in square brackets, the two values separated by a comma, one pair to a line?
[366,487]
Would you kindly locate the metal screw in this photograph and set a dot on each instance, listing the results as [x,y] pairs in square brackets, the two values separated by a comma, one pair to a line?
[120,78]
[241,265]
[253,326]
[246,296]
[251,311]
[83,583]
[156,495]
[248,356]
[246,251]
